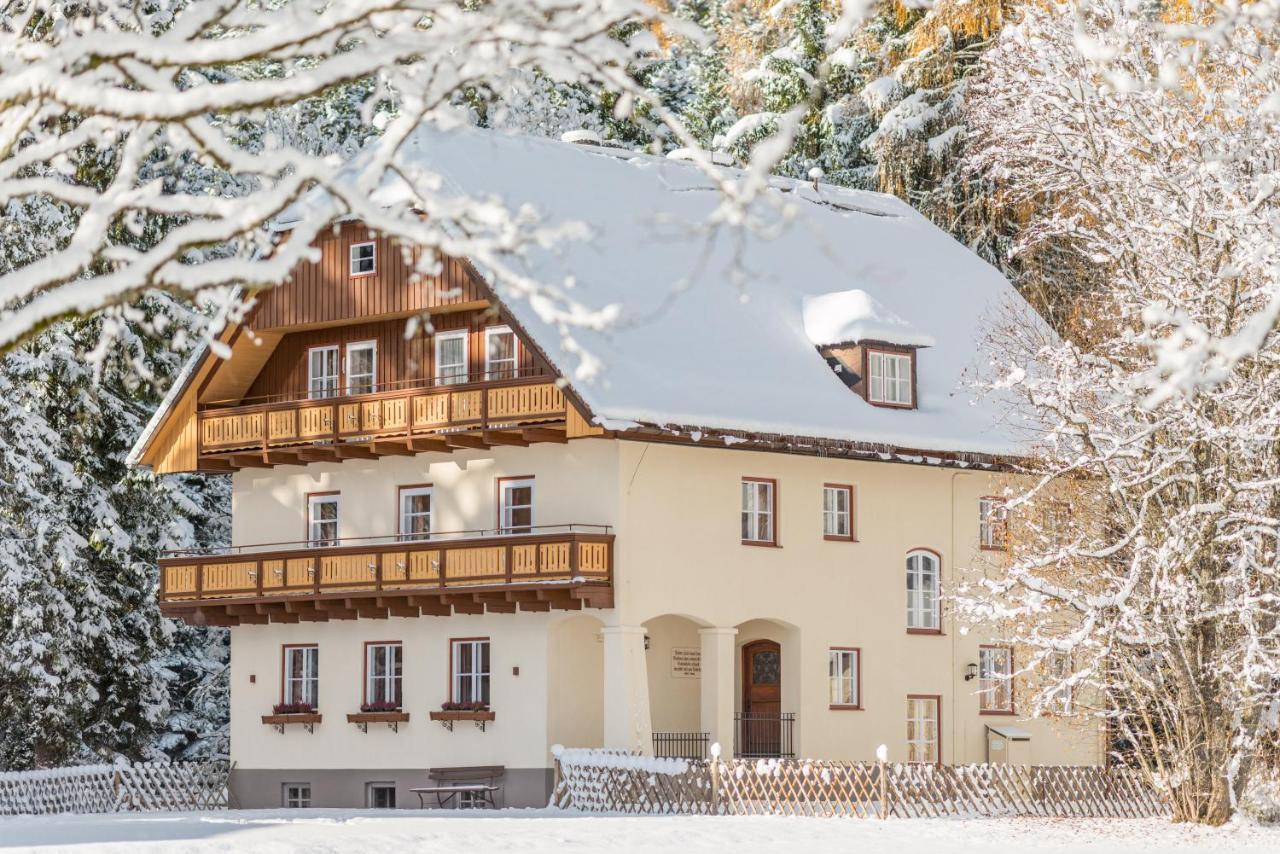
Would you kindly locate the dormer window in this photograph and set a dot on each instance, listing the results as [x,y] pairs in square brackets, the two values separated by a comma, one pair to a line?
[363,259]
[890,378]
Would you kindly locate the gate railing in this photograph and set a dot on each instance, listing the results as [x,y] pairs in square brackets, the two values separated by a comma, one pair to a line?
[681,745]
[764,736]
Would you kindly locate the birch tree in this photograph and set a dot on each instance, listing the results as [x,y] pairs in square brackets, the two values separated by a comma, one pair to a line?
[1145,580]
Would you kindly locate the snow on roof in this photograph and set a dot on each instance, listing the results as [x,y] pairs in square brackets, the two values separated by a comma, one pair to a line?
[846,317]
[698,343]
[694,346]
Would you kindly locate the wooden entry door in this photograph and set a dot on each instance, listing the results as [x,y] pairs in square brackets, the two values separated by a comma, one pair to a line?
[761,728]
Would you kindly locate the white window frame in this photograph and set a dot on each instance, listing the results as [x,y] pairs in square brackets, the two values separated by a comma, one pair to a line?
[480,676]
[1061,667]
[315,534]
[993,530]
[322,385]
[348,380]
[843,683]
[381,785]
[506,373]
[923,613]
[837,524]
[295,796]
[995,679]
[353,261]
[895,390]
[304,688]
[758,525]
[406,532]
[391,681]
[454,377]
[505,507]
[925,745]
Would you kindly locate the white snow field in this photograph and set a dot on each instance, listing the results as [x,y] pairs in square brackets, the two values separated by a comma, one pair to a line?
[551,832]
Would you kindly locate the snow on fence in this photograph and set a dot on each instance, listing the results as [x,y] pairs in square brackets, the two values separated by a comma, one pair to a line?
[133,787]
[618,782]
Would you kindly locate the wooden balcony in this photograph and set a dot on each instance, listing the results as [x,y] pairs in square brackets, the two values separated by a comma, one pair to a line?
[514,411]
[567,567]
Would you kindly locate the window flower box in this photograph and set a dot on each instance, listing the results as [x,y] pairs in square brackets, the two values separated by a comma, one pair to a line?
[379,713]
[283,714]
[479,713]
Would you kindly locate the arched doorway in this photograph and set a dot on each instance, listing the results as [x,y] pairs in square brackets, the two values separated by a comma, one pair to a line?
[760,732]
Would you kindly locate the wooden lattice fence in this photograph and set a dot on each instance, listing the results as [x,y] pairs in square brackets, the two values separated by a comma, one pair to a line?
[135,787]
[617,782]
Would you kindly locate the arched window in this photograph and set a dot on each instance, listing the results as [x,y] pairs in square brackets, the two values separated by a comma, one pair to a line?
[922,591]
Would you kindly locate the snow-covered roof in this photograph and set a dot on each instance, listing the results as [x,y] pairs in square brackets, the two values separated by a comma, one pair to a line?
[694,345]
[697,345]
[846,317]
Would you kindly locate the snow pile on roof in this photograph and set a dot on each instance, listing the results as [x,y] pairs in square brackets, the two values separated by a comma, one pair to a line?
[845,317]
[698,343]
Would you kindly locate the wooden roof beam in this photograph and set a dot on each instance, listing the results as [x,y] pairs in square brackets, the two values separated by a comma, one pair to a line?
[393,449]
[505,437]
[462,440]
[543,434]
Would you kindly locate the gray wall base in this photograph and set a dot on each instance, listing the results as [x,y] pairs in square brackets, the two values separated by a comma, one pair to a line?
[345,788]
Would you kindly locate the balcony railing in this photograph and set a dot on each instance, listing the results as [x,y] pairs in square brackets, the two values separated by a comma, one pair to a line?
[542,567]
[421,408]
[765,736]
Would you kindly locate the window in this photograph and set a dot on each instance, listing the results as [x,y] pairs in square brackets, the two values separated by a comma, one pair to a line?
[1060,669]
[992,527]
[322,519]
[296,795]
[380,796]
[995,679]
[1055,520]
[383,665]
[501,353]
[415,512]
[470,668]
[301,676]
[362,367]
[758,511]
[922,592]
[322,372]
[515,505]
[923,712]
[844,675]
[837,512]
[889,378]
[451,358]
[363,259]
[472,800]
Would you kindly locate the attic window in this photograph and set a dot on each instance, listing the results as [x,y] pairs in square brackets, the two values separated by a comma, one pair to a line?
[891,378]
[363,259]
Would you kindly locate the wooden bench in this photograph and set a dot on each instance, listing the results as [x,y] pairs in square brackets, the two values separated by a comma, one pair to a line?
[481,781]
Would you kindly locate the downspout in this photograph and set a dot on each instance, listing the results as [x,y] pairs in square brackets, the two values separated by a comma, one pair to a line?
[954,634]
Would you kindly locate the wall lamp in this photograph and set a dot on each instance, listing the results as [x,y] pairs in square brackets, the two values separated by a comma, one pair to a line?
[970,672]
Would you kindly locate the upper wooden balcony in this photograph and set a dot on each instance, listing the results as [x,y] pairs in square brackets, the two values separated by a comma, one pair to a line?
[423,416]
[564,567]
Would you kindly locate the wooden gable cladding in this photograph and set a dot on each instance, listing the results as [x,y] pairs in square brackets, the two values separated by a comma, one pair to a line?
[325,292]
[401,362]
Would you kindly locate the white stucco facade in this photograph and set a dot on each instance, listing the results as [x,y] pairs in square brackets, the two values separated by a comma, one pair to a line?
[683,581]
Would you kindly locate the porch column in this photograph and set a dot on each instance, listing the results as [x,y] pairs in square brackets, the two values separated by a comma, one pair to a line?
[718,664]
[627,724]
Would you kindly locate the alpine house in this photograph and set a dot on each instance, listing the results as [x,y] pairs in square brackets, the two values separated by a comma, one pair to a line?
[730,517]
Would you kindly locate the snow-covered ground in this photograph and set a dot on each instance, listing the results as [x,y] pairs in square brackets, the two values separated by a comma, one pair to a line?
[547,832]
